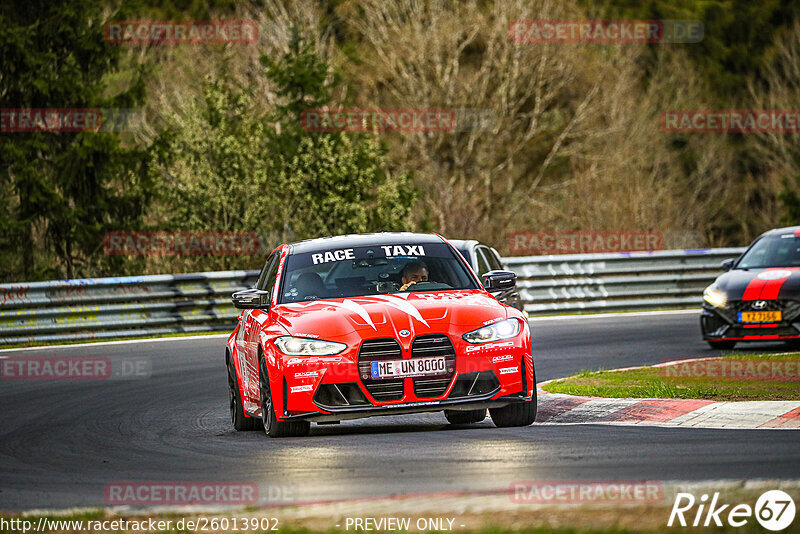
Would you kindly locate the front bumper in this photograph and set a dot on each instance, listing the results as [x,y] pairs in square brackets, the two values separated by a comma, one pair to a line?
[344,414]
[340,388]
[722,324]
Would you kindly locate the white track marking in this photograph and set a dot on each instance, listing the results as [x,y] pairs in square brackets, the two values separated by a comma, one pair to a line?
[742,414]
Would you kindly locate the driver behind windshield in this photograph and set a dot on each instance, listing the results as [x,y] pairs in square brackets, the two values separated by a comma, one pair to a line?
[413,272]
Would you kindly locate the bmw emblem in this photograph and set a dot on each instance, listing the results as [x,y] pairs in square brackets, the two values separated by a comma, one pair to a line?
[404,333]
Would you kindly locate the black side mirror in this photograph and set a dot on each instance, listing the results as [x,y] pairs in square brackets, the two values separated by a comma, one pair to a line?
[251,299]
[727,265]
[499,280]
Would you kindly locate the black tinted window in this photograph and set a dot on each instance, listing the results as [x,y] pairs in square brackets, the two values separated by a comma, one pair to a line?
[267,280]
[492,259]
[773,251]
[360,271]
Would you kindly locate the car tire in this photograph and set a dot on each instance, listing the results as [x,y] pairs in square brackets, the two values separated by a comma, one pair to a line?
[241,422]
[516,414]
[721,345]
[273,427]
[465,417]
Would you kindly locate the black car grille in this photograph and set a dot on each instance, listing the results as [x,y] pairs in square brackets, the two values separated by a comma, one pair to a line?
[789,307]
[791,310]
[433,346]
[376,350]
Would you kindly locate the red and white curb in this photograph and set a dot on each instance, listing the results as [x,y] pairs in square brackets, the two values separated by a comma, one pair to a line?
[557,408]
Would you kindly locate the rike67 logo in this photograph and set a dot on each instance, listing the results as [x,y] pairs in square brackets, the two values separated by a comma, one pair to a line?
[774,510]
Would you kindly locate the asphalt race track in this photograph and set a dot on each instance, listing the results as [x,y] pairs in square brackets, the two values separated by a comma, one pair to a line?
[62,442]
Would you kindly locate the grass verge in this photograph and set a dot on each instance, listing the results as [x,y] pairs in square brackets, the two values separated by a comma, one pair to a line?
[731,378]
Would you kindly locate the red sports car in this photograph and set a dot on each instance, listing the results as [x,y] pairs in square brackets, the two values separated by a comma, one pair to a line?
[376,324]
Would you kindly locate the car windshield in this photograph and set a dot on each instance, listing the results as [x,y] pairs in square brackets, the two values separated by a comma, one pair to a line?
[772,251]
[371,270]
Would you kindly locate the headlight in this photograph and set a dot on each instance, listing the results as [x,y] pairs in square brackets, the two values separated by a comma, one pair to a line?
[301,346]
[505,329]
[715,296]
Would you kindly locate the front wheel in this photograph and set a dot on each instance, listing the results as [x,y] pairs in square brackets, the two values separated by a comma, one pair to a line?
[516,414]
[465,417]
[273,427]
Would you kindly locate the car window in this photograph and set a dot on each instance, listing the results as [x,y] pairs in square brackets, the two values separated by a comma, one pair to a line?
[465,252]
[262,278]
[492,259]
[772,251]
[483,265]
[268,276]
[372,270]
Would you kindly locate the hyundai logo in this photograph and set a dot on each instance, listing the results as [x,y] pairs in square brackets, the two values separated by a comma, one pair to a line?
[759,304]
[404,333]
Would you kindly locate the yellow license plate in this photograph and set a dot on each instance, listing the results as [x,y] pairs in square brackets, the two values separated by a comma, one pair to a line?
[760,317]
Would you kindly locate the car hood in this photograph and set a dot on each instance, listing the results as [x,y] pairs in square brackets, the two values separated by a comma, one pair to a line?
[761,284]
[379,316]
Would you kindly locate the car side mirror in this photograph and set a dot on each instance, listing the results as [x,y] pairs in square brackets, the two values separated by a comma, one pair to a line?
[251,299]
[499,280]
[727,265]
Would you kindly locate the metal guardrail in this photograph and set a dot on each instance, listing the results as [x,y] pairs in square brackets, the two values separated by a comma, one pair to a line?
[101,308]
[619,281]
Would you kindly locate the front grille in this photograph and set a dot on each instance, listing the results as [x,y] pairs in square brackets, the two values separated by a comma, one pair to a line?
[737,306]
[791,310]
[434,346]
[376,350]
[789,307]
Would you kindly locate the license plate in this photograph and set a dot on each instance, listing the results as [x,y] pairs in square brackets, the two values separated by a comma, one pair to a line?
[760,317]
[412,367]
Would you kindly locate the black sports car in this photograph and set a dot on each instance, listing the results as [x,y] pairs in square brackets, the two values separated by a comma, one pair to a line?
[758,299]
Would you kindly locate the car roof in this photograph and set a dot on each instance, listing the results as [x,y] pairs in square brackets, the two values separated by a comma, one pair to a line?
[463,244]
[785,230]
[362,240]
